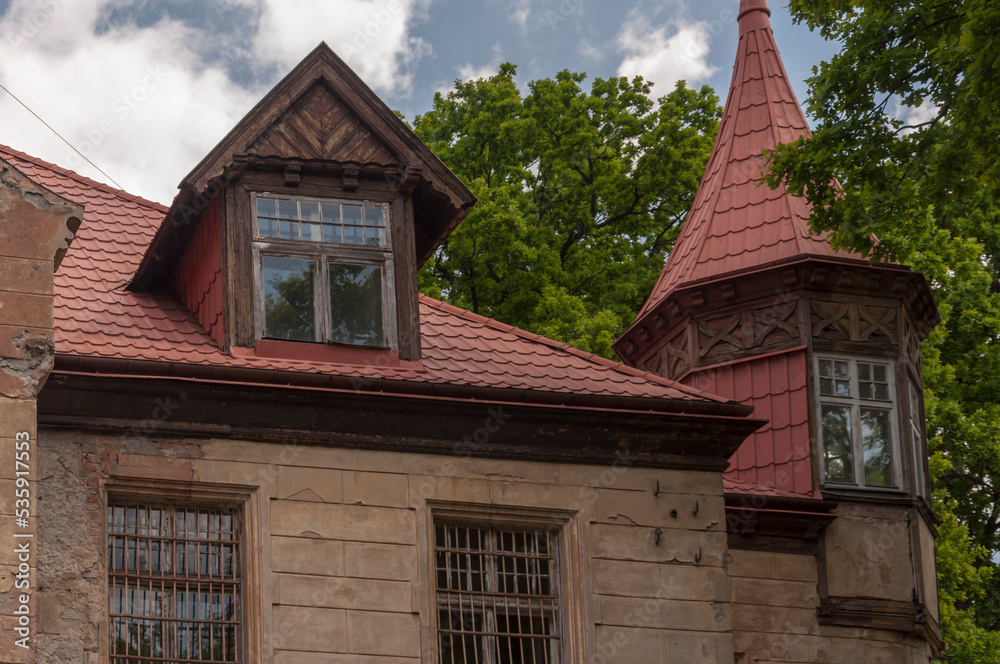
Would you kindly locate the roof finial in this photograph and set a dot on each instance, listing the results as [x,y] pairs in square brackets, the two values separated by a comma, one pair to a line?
[754,15]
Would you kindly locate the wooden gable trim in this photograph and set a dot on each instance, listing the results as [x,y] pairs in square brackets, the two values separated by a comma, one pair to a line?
[324,64]
[441,200]
[779,284]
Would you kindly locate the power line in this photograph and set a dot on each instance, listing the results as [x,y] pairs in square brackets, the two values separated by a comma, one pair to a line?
[71,147]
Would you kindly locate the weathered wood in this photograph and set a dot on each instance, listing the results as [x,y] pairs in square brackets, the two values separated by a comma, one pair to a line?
[238,231]
[404,257]
[379,421]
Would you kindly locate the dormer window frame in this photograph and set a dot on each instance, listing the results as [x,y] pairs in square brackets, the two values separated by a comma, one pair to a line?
[323,255]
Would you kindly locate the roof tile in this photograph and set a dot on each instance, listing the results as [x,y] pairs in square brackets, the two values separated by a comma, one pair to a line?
[778,454]
[96,317]
[732,200]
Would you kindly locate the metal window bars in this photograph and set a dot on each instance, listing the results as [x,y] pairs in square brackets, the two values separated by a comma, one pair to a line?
[498,595]
[174,584]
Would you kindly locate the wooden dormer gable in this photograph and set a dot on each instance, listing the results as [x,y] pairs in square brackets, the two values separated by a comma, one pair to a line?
[321,136]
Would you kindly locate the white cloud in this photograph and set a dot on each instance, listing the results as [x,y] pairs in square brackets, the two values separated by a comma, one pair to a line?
[145,104]
[916,116]
[591,51]
[664,54]
[373,36]
[472,72]
[519,13]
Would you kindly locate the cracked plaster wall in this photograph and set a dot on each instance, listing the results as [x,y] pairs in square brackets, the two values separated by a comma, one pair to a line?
[36,227]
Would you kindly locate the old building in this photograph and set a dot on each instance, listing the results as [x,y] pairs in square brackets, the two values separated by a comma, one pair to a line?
[831,532]
[242,435]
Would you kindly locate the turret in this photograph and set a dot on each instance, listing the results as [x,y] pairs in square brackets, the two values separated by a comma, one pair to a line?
[753,306]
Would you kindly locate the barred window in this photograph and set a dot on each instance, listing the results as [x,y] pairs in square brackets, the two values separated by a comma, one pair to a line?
[174,583]
[498,595]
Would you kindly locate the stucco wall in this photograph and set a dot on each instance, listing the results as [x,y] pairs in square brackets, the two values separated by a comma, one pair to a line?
[344,553]
[36,228]
[775,600]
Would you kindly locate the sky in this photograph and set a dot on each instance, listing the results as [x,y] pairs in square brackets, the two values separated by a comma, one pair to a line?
[145,88]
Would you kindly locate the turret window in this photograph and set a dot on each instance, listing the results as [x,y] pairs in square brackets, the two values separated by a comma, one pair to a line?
[856,422]
[324,271]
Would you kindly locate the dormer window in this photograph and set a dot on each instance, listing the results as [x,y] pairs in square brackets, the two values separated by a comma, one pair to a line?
[857,422]
[324,270]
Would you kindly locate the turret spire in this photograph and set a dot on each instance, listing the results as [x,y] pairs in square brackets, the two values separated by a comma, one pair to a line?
[736,222]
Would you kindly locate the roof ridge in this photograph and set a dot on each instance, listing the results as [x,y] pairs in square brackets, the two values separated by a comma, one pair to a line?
[82,179]
[572,350]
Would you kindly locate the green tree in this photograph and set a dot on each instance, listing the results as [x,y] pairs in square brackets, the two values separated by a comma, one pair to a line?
[908,123]
[581,193]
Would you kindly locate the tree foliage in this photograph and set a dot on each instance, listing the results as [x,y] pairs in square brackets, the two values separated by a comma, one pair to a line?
[909,122]
[581,193]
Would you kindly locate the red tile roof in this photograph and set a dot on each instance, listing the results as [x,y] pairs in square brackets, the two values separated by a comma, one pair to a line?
[778,454]
[96,317]
[736,221]
[739,487]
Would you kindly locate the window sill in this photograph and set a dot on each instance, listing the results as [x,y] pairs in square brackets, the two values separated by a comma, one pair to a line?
[866,494]
[304,351]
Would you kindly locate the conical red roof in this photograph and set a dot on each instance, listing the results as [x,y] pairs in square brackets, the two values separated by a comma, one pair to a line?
[737,222]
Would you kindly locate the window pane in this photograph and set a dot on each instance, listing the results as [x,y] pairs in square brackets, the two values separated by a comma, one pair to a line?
[352,214]
[876,446]
[287,209]
[342,223]
[838,458]
[354,234]
[331,213]
[374,216]
[266,207]
[356,304]
[288,298]
[309,210]
[312,232]
[332,233]
[873,381]
[835,380]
